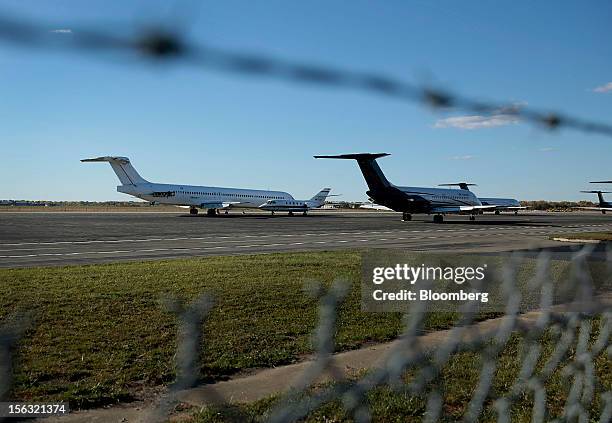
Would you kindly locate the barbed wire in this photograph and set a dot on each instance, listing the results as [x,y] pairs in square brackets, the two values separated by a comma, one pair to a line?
[163,45]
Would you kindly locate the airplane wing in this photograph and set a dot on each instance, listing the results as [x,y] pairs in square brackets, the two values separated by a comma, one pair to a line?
[460,209]
[219,204]
[594,208]
[511,207]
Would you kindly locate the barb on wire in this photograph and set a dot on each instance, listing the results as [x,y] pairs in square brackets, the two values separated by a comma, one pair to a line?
[161,44]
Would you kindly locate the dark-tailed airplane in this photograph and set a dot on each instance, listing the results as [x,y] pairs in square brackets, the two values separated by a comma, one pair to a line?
[603,206]
[413,200]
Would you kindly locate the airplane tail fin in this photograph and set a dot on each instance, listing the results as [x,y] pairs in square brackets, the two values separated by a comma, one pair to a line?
[462,185]
[374,177]
[321,196]
[123,168]
[599,195]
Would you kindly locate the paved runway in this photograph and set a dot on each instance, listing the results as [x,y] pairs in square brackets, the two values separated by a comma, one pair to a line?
[40,239]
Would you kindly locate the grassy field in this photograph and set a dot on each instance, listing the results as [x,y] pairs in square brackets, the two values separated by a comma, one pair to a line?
[101,334]
[458,381]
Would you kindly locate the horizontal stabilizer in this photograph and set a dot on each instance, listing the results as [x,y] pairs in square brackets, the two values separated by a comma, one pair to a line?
[597,192]
[600,182]
[123,169]
[118,159]
[462,185]
[357,156]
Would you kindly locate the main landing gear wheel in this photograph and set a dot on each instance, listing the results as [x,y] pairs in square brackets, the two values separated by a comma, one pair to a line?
[304,214]
[211,212]
[438,218]
[406,217]
[497,212]
[472,217]
[193,211]
[290,213]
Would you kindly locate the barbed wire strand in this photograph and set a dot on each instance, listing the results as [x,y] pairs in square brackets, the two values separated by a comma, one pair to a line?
[164,45]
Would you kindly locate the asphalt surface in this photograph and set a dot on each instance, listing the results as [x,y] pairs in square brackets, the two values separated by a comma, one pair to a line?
[43,239]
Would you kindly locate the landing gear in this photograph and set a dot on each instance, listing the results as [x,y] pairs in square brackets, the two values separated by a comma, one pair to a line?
[211,212]
[272,213]
[516,213]
[497,212]
[304,214]
[438,218]
[226,212]
[290,213]
[472,217]
[193,211]
[406,216]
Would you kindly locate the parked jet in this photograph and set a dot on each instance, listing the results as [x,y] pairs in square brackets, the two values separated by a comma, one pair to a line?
[603,206]
[297,206]
[412,200]
[193,196]
[501,204]
[373,206]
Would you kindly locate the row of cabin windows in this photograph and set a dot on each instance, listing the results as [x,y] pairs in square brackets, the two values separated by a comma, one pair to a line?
[231,195]
[443,197]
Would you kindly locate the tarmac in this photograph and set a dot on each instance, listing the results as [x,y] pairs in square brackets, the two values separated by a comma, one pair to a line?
[29,239]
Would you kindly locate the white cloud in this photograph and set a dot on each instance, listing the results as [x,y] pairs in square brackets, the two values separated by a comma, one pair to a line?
[603,88]
[505,115]
[466,157]
[477,121]
[61,31]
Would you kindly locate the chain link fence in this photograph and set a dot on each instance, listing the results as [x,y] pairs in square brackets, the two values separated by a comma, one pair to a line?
[577,346]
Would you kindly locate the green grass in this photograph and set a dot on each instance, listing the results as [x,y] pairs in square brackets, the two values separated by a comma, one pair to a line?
[599,236]
[458,381]
[101,333]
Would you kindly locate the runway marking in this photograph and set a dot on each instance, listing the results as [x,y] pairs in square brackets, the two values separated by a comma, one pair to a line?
[213,238]
[542,231]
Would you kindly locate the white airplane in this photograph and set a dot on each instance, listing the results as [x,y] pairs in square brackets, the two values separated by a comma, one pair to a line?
[373,206]
[501,204]
[297,206]
[409,200]
[193,196]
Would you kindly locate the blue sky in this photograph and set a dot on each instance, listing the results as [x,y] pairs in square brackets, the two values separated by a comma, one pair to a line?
[182,123]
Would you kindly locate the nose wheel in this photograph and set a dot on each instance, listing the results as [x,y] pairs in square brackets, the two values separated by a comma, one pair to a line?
[472,217]
[193,211]
[406,217]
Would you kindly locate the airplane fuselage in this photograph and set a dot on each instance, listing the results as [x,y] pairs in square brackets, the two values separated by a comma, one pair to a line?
[422,199]
[201,196]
